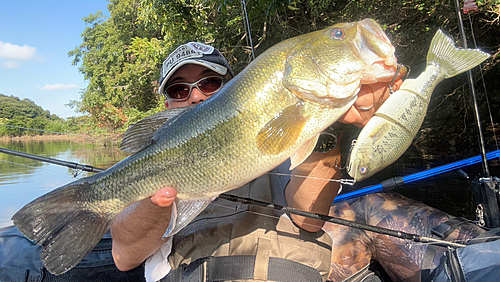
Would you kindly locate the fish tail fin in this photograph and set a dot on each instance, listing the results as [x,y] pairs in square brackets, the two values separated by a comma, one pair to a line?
[450,59]
[60,222]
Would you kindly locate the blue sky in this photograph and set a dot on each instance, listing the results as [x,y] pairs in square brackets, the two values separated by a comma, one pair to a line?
[35,38]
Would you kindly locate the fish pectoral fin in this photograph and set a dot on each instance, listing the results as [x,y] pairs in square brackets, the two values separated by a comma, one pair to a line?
[141,134]
[283,131]
[303,153]
[184,212]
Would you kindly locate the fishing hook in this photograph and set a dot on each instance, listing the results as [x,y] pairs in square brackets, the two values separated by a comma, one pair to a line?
[393,81]
[339,167]
[353,143]
[77,173]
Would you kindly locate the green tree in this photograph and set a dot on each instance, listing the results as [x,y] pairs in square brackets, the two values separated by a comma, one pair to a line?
[23,113]
[121,55]
[120,59]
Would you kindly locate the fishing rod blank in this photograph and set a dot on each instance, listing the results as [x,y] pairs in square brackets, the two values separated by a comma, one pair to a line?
[380,230]
[248,201]
[51,160]
[470,80]
[396,182]
[386,185]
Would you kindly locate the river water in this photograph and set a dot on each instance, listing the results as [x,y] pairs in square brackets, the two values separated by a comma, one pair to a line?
[22,180]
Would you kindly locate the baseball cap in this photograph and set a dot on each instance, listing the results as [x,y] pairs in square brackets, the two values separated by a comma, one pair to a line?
[193,53]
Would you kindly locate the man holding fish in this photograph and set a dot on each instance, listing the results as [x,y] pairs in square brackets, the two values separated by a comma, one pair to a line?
[190,75]
[274,110]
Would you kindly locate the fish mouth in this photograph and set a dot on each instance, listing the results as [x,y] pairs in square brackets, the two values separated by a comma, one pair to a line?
[376,50]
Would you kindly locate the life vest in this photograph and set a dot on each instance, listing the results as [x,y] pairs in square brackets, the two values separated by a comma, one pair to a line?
[233,242]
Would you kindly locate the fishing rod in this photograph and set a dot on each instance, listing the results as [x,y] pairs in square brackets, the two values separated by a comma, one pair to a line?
[484,188]
[247,27]
[353,224]
[396,182]
[52,161]
[384,186]
[248,201]
[473,93]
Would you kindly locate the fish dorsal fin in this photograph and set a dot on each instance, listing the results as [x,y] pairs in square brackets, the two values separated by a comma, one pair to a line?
[282,132]
[303,153]
[140,134]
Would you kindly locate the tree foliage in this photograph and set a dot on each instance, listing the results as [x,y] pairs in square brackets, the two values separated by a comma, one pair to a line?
[121,54]
[16,113]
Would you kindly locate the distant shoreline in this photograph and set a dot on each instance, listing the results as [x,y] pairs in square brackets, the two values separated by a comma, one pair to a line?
[82,137]
[39,137]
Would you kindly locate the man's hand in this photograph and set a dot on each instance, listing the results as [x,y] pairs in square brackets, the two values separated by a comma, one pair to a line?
[370,98]
[138,230]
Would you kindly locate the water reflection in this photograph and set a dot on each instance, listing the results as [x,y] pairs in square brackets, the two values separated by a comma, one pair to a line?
[22,180]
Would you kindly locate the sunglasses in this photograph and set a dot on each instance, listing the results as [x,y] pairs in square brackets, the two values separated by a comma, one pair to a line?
[182,91]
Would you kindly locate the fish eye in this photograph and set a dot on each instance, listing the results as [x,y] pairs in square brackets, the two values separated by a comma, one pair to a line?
[337,33]
[363,170]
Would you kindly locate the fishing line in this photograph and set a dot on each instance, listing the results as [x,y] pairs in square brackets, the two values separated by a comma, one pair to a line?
[247,25]
[484,85]
[34,129]
[341,181]
[9,162]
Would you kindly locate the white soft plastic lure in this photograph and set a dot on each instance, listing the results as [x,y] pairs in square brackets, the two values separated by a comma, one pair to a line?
[391,130]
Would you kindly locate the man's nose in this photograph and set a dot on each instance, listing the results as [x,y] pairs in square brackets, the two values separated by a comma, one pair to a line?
[196,96]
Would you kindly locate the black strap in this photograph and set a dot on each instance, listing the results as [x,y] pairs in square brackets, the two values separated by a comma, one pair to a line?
[230,268]
[288,270]
[443,230]
[454,268]
[242,268]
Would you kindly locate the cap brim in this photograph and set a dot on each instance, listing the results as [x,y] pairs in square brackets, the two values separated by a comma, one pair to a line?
[222,70]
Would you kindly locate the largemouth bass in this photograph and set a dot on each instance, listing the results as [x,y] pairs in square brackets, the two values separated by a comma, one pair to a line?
[273,110]
[391,130]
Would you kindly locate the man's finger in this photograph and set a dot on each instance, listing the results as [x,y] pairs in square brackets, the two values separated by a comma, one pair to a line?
[164,197]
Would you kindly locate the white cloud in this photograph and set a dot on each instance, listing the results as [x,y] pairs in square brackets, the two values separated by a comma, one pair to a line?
[50,87]
[16,52]
[10,65]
